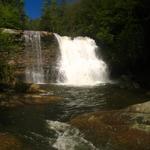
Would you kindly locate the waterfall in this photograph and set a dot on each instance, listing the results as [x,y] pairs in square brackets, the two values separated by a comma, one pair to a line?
[34,69]
[79,64]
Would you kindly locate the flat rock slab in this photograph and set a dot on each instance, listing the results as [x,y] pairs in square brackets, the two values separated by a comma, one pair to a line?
[127,129]
[27,99]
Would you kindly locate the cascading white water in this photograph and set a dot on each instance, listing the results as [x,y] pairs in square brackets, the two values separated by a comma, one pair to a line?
[34,70]
[68,137]
[78,64]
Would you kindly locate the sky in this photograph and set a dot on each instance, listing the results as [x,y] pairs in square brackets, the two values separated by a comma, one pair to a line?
[33,8]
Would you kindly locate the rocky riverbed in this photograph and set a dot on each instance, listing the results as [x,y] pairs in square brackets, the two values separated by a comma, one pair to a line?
[33,95]
[105,116]
[126,129]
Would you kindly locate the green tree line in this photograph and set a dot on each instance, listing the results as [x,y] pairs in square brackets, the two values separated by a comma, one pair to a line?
[12,14]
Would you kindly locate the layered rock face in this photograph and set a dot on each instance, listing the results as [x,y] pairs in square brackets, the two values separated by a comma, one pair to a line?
[19,60]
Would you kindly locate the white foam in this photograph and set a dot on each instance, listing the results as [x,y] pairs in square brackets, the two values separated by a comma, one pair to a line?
[69,138]
[78,64]
[34,69]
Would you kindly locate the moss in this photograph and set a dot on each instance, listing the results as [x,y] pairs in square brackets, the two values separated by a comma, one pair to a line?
[10,45]
[6,72]
[21,87]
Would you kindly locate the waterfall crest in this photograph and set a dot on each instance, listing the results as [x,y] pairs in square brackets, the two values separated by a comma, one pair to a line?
[78,64]
[34,69]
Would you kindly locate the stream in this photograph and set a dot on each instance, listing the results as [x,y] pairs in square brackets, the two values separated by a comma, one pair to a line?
[46,127]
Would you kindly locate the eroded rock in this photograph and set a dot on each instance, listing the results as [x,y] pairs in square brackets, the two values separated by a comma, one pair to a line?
[117,130]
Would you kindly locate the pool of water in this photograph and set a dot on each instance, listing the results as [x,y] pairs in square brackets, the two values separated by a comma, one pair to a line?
[44,127]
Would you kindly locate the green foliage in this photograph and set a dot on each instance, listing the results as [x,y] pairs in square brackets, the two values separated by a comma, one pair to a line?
[51,19]
[33,24]
[8,49]
[8,44]
[12,14]
[21,87]
[6,72]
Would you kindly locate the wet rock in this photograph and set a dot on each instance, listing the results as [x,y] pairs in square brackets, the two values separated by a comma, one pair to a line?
[148,93]
[44,33]
[126,82]
[21,87]
[117,130]
[27,99]
[141,108]
[9,142]
[35,88]
[41,99]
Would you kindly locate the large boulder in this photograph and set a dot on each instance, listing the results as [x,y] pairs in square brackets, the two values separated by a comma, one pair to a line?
[127,129]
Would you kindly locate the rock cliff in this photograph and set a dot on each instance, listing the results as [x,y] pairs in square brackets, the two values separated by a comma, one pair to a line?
[19,60]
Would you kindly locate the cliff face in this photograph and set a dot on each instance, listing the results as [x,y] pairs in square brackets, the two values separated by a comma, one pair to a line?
[19,60]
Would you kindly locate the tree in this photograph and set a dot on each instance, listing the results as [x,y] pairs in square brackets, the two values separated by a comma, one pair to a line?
[12,14]
[51,18]
[45,23]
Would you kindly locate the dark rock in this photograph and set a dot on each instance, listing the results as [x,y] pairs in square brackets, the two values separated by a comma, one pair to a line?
[126,82]
[22,87]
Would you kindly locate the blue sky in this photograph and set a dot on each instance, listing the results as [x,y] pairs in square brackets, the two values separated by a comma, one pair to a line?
[33,8]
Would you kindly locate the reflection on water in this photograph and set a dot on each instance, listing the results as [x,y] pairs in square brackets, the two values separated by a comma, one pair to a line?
[29,123]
